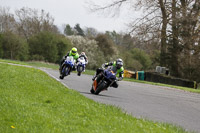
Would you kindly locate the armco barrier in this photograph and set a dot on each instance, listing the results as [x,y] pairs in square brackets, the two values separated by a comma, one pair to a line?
[160,78]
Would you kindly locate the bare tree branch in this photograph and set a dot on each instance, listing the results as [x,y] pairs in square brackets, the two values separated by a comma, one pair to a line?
[115,3]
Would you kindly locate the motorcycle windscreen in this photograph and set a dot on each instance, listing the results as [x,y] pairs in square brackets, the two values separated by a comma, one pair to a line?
[70,61]
[109,74]
[81,61]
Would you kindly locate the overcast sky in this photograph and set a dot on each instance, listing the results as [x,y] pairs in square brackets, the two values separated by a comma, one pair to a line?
[71,12]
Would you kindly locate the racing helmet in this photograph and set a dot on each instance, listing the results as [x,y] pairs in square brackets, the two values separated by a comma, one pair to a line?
[83,53]
[74,51]
[119,63]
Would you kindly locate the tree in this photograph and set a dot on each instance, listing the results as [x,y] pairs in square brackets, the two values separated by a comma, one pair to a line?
[63,46]
[31,22]
[68,30]
[129,62]
[46,46]
[107,47]
[1,45]
[163,55]
[174,40]
[115,37]
[142,58]
[90,32]
[14,47]
[79,30]
[128,41]
[7,21]
[189,29]
[43,47]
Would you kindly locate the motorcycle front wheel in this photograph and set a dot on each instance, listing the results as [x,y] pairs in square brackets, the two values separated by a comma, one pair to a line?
[100,87]
[62,72]
[92,90]
[79,70]
[79,73]
[65,72]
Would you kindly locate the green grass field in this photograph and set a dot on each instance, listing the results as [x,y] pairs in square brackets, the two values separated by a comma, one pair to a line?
[31,101]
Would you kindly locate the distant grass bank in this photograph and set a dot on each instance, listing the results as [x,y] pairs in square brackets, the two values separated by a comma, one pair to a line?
[32,102]
[92,72]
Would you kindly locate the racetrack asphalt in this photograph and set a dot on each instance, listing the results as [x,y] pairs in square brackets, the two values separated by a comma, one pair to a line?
[157,103]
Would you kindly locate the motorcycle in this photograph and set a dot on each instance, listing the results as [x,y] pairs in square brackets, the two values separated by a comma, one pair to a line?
[67,66]
[80,66]
[103,81]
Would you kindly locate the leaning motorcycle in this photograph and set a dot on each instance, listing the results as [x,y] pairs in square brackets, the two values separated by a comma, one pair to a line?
[103,81]
[67,66]
[80,66]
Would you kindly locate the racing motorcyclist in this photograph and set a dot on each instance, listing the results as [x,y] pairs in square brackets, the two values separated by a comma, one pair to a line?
[73,52]
[85,57]
[116,66]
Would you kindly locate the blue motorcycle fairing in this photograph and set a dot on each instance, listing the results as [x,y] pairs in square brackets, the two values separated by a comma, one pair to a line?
[109,74]
[68,63]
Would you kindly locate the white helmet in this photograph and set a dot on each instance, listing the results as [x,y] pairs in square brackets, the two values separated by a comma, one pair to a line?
[119,63]
[82,53]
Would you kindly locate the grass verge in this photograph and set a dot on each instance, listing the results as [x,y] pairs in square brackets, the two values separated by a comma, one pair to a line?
[31,101]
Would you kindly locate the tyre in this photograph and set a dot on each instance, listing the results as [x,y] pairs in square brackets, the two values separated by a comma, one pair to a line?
[63,73]
[92,91]
[61,77]
[79,74]
[100,87]
[80,69]
[67,71]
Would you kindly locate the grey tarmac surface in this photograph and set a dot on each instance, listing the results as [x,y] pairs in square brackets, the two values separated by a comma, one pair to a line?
[162,104]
